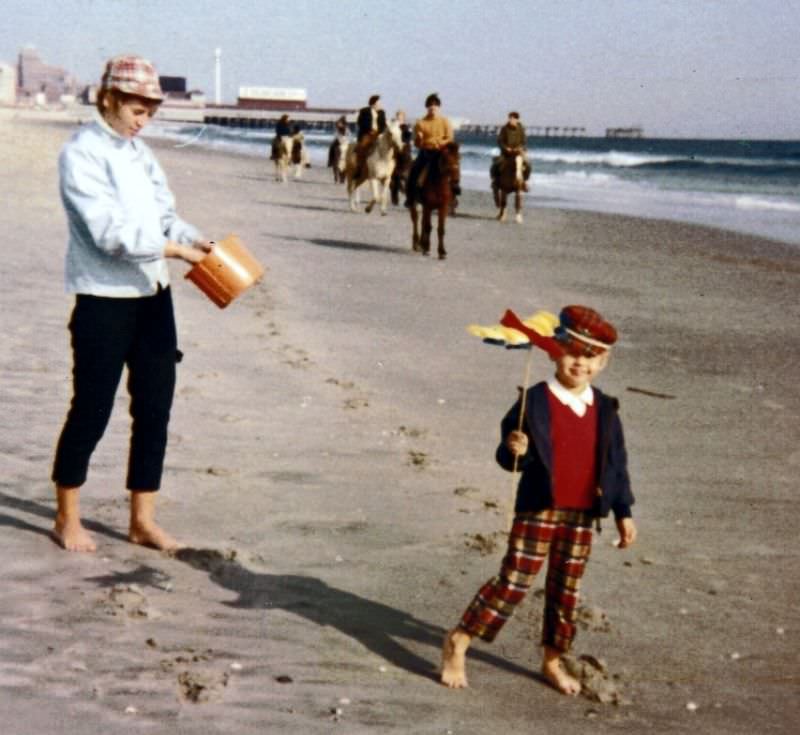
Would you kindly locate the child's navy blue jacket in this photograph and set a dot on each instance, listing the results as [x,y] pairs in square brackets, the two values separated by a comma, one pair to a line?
[534,492]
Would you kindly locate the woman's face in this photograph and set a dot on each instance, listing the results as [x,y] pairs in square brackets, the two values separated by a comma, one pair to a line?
[129,116]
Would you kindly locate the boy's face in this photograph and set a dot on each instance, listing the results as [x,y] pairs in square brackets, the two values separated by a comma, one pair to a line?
[575,372]
[130,115]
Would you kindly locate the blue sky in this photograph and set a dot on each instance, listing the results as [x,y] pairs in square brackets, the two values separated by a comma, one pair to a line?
[714,68]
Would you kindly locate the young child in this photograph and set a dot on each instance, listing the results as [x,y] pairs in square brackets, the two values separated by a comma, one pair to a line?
[571,452]
[122,226]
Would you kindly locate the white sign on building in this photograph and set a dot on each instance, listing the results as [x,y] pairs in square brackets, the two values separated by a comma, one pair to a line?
[286,94]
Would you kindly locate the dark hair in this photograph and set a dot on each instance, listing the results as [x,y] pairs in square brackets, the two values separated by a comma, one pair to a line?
[116,99]
[374,99]
[433,99]
[514,115]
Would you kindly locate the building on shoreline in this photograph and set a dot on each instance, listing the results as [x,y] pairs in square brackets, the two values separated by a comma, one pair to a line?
[8,84]
[41,82]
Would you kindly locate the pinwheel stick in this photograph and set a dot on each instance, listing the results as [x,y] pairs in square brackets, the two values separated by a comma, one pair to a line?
[522,404]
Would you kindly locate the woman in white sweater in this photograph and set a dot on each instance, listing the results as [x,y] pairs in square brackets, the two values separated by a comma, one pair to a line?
[122,225]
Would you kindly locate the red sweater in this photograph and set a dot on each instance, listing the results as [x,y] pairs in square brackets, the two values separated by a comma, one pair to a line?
[574,441]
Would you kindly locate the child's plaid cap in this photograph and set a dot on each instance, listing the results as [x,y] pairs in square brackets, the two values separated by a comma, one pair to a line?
[583,331]
[132,75]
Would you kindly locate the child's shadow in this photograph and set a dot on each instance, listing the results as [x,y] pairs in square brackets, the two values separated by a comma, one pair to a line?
[373,624]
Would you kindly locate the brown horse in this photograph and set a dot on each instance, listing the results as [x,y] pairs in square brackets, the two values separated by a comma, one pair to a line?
[400,173]
[508,176]
[435,192]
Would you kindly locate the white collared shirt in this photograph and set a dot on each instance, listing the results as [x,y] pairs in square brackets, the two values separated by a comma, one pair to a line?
[577,402]
[120,214]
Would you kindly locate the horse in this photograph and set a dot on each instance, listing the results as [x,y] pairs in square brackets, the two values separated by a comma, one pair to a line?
[400,173]
[299,154]
[282,154]
[508,175]
[380,163]
[435,193]
[337,158]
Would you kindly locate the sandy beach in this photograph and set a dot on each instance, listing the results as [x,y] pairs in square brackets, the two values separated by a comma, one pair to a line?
[331,470]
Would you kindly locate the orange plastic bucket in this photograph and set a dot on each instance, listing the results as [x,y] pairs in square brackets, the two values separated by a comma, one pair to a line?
[228,270]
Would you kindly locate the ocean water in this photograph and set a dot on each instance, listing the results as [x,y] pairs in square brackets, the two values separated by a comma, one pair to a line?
[742,185]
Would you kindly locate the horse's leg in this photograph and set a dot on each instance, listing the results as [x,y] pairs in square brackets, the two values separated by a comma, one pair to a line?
[518,205]
[352,192]
[425,240]
[373,185]
[501,215]
[415,224]
[443,207]
[385,183]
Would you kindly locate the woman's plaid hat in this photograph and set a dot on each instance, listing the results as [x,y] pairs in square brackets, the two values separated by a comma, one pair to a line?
[583,331]
[132,75]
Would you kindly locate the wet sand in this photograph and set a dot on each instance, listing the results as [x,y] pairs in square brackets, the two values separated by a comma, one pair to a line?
[331,468]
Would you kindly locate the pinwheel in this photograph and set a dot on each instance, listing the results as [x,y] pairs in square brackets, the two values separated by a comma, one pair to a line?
[514,333]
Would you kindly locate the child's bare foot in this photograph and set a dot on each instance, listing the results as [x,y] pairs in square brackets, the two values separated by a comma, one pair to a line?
[556,676]
[454,659]
[151,534]
[72,536]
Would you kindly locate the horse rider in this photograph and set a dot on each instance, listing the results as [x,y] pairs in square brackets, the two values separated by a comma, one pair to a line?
[282,130]
[370,124]
[341,139]
[431,133]
[512,142]
[406,134]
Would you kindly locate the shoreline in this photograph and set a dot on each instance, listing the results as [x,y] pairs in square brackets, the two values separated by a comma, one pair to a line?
[331,465]
[669,205]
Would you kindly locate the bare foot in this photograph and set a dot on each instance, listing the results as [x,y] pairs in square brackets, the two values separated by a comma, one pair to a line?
[454,664]
[72,536]
[558,678]
[151,534]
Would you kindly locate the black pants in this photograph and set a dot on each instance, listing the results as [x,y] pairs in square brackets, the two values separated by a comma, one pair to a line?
[107,334]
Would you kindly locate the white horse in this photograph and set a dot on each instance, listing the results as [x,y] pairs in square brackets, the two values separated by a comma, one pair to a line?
[282,155]
[379,166]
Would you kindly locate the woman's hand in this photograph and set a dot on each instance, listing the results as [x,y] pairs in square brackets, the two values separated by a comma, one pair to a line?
[192,254]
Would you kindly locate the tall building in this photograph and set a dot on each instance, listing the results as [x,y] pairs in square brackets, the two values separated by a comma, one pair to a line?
[34,76]
[8,84]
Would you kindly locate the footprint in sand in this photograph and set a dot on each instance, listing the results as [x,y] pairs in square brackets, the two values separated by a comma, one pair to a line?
[484,544]
[354,403]
[420,460]
[202,686]
[299,359]
[411,432]
[346,384]
[597,683]
[129,601]
[591,617]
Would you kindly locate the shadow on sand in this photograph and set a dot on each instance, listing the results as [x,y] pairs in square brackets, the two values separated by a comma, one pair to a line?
[373,624]
[44,511]
[348,245]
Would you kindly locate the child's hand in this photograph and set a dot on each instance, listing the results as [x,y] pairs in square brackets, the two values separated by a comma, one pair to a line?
[517,443]
[627,532]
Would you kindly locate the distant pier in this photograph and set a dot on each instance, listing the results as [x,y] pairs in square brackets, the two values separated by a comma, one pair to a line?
[538,131]
[324,120]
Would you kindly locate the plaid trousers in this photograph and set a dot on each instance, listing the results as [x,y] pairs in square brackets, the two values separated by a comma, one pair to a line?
[563,536]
